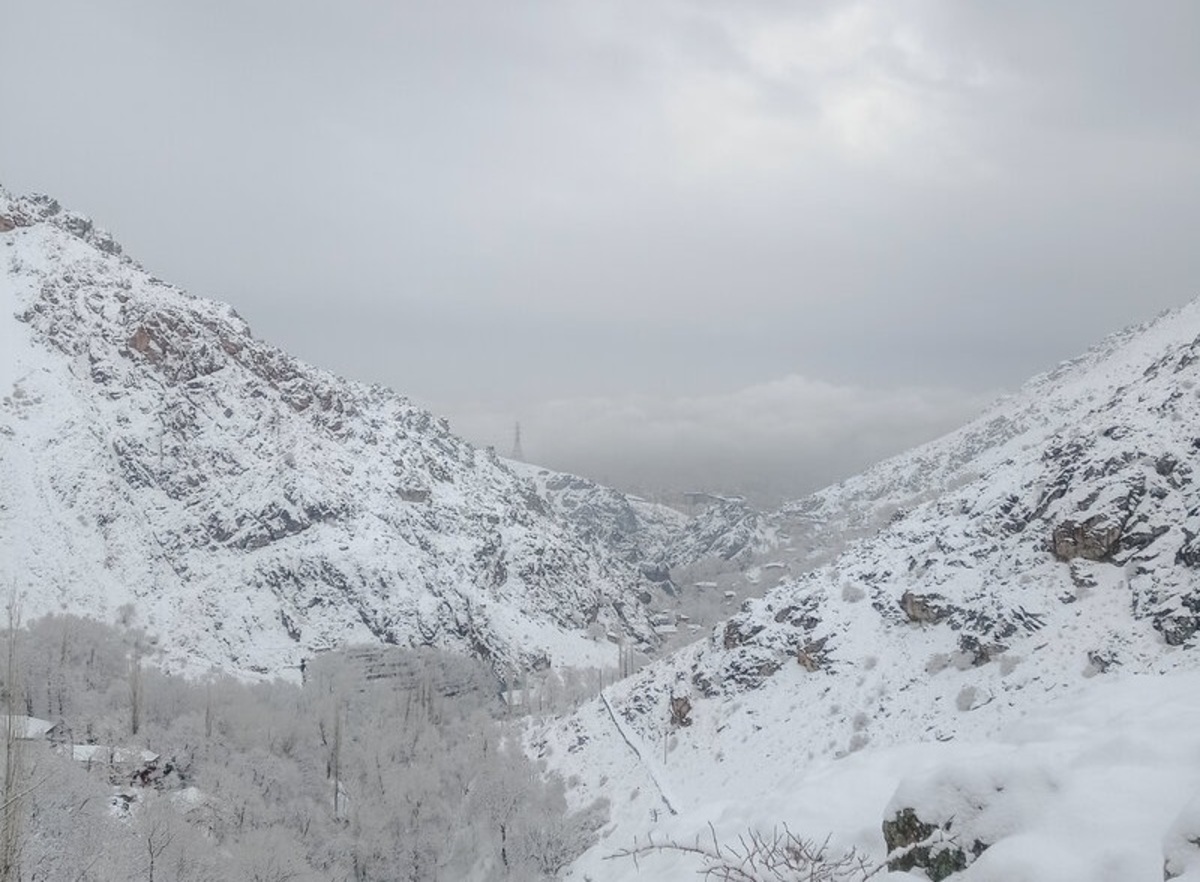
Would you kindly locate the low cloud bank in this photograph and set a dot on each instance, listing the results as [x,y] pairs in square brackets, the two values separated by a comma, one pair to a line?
[771,441]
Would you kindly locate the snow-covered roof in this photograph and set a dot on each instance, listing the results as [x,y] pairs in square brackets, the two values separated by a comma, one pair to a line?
[106,753]
[27,728]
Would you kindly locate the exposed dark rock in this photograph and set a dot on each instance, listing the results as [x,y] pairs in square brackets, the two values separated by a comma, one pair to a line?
[913,844]
[735,636]
[920,608]
[1135,541]
[814,655]
[1189,553]
[750,667]
[413,494]
[1101,660]
[1177,630]
[681,711]
[1093,539]
[979,651]
[703,682]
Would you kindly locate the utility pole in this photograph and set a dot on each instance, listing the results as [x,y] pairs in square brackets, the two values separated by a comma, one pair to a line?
[517,453]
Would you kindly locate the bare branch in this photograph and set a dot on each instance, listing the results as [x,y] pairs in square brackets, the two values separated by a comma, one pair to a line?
[780,856]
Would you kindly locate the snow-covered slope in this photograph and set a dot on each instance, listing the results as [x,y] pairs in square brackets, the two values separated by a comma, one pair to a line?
[1048,546]
[253,509]
[642,533]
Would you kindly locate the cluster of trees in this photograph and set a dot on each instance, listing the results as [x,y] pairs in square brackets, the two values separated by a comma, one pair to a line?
[348,777]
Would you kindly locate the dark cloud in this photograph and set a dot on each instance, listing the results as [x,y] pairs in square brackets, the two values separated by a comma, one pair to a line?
[491,206]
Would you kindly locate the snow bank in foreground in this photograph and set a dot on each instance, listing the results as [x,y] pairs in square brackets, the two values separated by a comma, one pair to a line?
[1101,785]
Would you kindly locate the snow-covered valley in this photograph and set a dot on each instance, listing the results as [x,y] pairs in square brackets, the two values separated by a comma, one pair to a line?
[973,661]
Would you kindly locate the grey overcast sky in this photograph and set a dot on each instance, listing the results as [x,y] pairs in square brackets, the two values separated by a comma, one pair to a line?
[722,243]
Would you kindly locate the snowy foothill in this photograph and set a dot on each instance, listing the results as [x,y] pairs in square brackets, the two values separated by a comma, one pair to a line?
[1099,784]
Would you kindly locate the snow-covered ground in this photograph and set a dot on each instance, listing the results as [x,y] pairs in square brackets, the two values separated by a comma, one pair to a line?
[13,344]
[1085,787]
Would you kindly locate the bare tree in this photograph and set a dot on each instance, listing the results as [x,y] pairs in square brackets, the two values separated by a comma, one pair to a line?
[781,856]
[157,836]
[14,783]
[135,689]
[552,843]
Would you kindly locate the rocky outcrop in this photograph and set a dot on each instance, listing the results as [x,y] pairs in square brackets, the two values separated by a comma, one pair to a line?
[1092,539]
[681,711]
[940,821]
[814,655]
[913,844]
[923,610]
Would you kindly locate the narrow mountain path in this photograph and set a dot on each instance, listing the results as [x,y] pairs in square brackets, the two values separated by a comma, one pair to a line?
[648,764]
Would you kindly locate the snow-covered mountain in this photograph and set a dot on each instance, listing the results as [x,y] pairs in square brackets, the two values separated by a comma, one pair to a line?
[157,461]
[1047,547]
[644,534]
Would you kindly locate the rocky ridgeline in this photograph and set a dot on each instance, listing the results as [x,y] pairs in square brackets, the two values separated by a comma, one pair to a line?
[1095,493]
[1051,541]
[252,509]
[642,534]
[656,537]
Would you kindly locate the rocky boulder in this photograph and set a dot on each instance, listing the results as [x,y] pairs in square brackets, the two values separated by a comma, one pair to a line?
[1093,539]
[939,823]
[913,844]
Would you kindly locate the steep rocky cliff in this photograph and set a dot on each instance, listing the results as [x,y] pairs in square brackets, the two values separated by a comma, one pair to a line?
[159,462]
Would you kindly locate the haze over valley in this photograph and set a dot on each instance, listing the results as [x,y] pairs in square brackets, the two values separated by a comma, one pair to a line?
[657,440]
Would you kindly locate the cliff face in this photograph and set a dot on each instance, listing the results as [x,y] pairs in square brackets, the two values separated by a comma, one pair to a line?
[158,460]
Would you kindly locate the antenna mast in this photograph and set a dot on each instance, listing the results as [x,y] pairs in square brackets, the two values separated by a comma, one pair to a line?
[517,453]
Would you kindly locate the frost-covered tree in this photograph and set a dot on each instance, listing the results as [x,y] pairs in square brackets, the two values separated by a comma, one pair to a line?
[400,765]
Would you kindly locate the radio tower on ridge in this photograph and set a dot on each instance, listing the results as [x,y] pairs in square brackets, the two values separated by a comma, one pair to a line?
[517,453]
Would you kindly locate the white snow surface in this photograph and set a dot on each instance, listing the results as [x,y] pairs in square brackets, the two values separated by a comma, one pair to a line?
[1049,706]
[254,510]
[1089,786]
